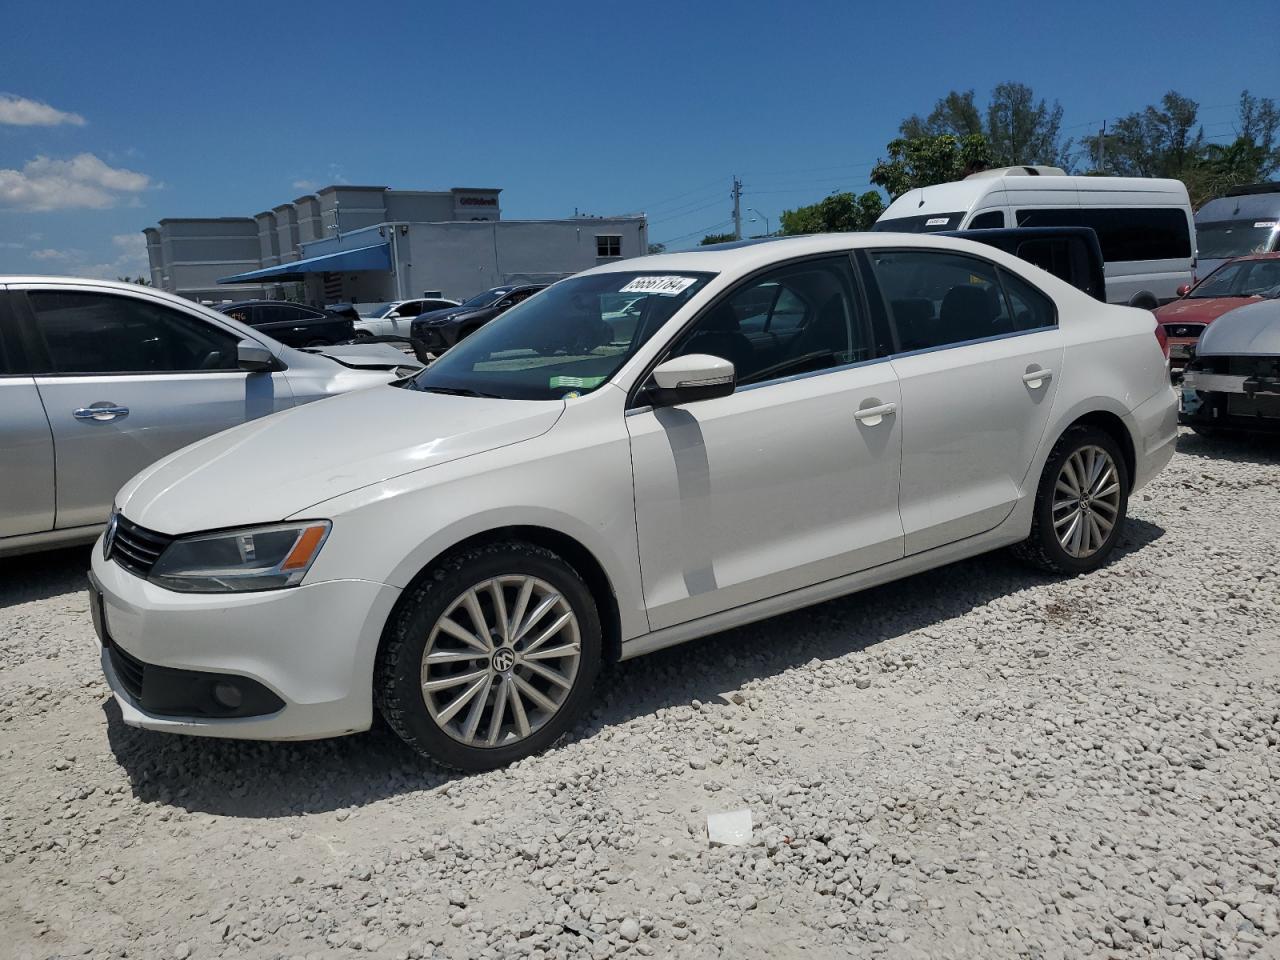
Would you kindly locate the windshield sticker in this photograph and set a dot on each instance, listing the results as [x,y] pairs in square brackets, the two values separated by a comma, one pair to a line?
[578,383]
[1265,223]
[937,221]
[663,286]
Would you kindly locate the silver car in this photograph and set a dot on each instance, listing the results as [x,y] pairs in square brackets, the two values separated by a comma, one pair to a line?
[1233,383]
[98,380]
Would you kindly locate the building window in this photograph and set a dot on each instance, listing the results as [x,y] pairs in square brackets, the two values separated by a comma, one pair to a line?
[608,245]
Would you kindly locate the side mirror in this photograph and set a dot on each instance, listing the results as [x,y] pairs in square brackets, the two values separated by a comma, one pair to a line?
[393,315]
[254,357]
[1183,290]
[698,376]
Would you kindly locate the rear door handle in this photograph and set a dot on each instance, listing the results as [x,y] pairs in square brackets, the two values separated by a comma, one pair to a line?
[102,411]
[1037,378]
[873,415]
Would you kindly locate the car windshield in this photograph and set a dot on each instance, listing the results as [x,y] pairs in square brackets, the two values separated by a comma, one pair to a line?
[1243,278]
[928,223]
[373,309]
[1234,238]
[566,341]
[486,298]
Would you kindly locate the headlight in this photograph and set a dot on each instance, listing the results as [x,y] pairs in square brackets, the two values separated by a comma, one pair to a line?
[239,561]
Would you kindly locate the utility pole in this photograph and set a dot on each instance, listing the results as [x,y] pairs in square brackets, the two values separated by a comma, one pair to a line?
[737,208]
[1102,147]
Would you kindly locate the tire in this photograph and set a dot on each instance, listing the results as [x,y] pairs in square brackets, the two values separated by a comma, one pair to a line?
[433,722]
[1207,433]
[362,335]
[1144,300]
[1043,548]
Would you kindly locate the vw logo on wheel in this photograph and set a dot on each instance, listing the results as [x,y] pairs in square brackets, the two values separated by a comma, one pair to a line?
[504,659]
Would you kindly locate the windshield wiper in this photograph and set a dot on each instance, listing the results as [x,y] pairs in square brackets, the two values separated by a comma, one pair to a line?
[460,392]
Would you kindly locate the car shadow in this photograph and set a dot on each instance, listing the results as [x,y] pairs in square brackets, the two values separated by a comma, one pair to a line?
[39,576]
[254,779]
[1254,448]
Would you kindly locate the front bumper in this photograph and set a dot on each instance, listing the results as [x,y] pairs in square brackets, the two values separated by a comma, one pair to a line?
[433,337]
[1247,401]
[312,647]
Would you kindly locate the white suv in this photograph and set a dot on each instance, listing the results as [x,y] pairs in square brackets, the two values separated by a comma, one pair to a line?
[769,426]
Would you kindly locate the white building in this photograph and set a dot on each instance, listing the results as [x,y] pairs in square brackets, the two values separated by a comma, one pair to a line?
[346,243]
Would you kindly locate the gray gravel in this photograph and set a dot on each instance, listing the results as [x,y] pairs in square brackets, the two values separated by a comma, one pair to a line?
[976,762]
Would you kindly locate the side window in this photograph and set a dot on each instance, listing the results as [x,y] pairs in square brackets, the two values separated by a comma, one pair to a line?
[1031,309]
[100,333]
[1125,234]
[987,221]
[935,299]
[813,323]
[410,308]
[245,315]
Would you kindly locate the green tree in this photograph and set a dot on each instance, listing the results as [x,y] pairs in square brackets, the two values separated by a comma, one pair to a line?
[711,238]
[1158,141]
[838,213]
[924,161]
[657,248]
[1018,128]
[140,281]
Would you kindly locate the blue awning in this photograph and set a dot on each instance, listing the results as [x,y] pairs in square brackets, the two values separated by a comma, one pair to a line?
[374,257]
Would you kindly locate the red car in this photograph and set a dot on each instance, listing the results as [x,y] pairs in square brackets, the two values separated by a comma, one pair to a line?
[1235,283]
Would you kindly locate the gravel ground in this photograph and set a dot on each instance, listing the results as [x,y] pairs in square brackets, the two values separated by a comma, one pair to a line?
[975,762]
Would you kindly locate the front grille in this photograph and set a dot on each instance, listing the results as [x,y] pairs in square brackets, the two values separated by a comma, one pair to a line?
[136,548]
[128,670]
[1184,329]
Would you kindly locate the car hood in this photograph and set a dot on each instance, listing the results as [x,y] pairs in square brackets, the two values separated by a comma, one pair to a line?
[1252,330]
[366,356]
[1204,310]
[268,469]
[452,313]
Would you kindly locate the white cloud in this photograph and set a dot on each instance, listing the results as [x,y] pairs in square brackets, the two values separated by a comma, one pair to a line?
[23,112]
[84,181]
[306,185]
[130,260]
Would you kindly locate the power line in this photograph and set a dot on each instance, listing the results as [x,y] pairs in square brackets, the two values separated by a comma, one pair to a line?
[684,213]
[694,233]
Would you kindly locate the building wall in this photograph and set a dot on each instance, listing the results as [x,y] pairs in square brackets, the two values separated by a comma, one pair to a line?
[287,232]
[194,253]
[268,238]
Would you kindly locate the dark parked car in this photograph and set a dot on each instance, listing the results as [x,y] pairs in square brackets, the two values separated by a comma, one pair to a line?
[294,324]
[1072,254]
[441,329]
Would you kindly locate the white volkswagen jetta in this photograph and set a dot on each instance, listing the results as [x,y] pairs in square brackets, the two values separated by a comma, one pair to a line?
[775,424]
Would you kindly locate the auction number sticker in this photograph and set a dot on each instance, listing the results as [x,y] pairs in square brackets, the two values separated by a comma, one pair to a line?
[1265,223]
[937,221]
[663,286]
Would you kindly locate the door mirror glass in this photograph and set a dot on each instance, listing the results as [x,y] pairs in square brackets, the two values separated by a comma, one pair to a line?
[1184,289]
[393,315]
[693,377]
[254,356]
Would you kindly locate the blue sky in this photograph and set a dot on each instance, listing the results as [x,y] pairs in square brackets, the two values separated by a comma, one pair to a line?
[147,110]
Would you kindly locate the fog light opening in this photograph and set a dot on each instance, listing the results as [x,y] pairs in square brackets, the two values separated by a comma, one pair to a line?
[228,695]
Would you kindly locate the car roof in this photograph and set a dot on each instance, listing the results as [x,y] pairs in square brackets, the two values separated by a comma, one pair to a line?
[747,255]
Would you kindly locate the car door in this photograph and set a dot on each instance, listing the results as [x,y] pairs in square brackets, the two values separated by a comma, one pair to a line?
[790,480]
[26,442]
[400,320]
[979,357]
[126,380]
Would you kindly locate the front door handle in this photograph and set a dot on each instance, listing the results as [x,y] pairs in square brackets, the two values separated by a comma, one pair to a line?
[102,411]
[870,416]
[1037,378]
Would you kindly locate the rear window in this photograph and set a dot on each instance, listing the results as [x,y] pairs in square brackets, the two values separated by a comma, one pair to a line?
[927,223]
[1125,233]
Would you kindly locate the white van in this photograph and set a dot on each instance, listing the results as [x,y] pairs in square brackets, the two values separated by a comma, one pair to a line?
[1145,226]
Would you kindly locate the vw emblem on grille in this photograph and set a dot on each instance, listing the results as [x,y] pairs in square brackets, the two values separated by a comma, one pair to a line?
[504,659]
[109,537]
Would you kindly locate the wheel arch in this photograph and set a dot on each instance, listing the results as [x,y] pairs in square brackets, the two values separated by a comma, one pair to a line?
[1112,424]
[573,552]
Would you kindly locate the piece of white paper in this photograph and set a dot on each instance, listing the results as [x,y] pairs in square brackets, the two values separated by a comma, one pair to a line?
[731,829]
[936,221]
[663,286]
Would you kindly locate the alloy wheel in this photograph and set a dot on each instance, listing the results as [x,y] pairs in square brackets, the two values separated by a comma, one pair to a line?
[500,661]
[1086,501]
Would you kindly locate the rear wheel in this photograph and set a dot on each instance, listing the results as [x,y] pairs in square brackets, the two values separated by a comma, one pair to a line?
[1081,504]
[490,657]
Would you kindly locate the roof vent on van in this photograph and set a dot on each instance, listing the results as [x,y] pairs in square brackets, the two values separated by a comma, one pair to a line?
[1018,172]
[1249,189]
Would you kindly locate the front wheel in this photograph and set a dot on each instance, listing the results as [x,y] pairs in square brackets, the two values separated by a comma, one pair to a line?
[490,657]
[1081,504]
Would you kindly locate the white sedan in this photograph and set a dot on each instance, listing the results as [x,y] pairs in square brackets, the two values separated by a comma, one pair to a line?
[788,421]
[395,318]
